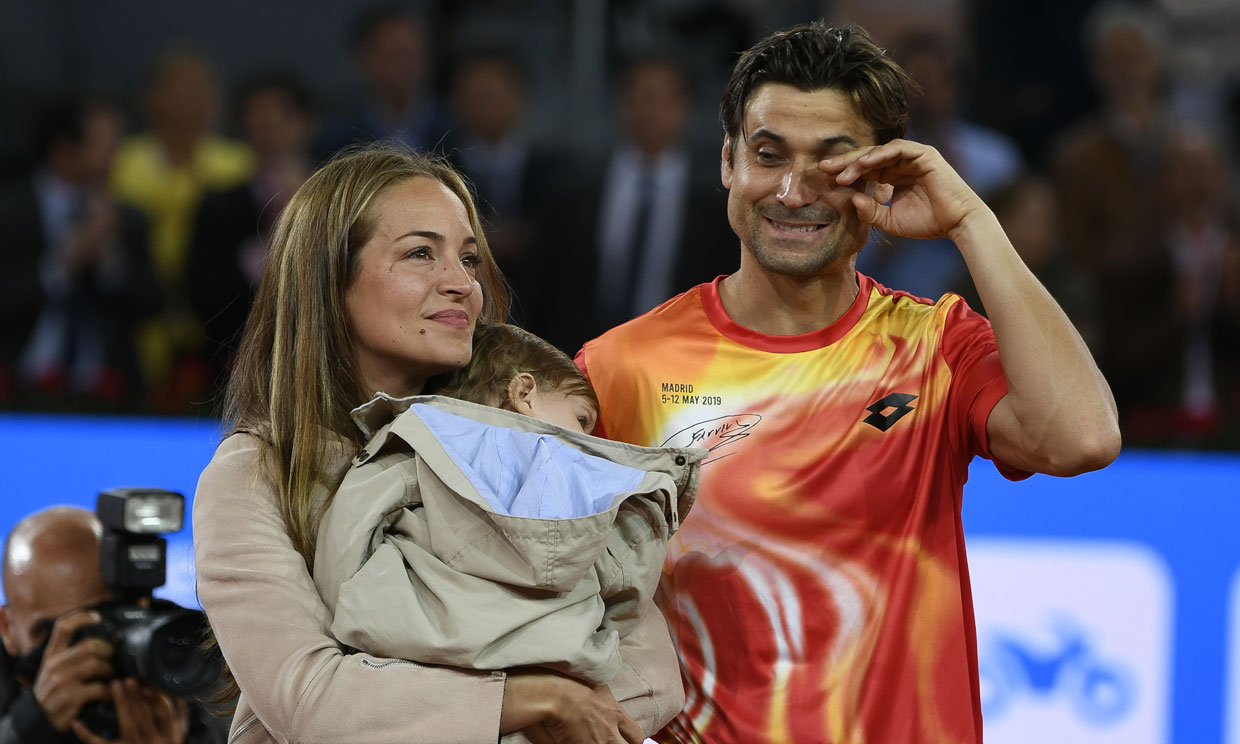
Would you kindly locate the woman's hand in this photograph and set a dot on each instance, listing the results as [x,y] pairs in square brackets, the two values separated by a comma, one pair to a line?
[548,707]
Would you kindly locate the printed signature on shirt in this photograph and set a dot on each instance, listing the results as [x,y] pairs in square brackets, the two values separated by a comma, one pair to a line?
[715,434]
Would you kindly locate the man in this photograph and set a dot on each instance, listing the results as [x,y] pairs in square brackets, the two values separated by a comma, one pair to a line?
[393,57]
[75,273]
[643,223]
[985,158]
[51,579]
[510,171]
[228,243]
[164,171]
[819,591]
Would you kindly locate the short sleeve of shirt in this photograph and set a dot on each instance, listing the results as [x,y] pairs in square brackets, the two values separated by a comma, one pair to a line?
[977,381]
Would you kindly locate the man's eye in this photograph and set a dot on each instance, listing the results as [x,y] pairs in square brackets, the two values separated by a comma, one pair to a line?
[767,157]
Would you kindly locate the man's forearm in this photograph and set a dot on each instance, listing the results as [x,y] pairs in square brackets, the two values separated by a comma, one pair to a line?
[1066,420]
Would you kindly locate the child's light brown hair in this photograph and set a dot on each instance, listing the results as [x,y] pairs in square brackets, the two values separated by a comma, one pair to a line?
[501,352]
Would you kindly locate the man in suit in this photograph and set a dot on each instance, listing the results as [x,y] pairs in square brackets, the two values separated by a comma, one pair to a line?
[510,171]
[650,222]
[75,274]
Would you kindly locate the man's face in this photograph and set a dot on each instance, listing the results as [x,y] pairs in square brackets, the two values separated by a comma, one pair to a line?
[655,106]
[792,218]
[40,591]
[394,59]
[489,99]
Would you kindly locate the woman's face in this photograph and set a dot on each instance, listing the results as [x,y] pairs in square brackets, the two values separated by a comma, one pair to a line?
[414,301]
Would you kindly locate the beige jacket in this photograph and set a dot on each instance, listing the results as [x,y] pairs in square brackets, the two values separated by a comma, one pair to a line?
[298,684]
[468,536]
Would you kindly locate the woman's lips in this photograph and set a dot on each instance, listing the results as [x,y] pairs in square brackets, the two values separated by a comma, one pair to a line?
[454,318]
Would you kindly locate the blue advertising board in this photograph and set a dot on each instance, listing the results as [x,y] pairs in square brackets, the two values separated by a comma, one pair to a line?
[1108,605]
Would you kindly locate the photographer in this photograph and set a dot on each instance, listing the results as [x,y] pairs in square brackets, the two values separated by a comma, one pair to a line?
[52,577]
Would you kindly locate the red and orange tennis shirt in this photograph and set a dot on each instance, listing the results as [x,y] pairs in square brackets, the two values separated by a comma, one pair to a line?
[818,591]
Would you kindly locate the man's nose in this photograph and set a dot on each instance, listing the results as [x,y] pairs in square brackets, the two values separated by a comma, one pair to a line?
[801,186]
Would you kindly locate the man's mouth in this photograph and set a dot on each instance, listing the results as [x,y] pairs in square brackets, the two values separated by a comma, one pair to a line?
[795,227]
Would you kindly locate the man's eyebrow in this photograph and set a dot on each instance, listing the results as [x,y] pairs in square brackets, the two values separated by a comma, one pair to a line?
[827,143]
[42,628]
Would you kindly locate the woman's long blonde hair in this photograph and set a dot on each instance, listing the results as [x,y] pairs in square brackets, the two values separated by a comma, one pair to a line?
[295,379]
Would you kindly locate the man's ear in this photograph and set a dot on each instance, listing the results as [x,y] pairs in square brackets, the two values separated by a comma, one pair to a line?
[6,632]
[725,163]
[521,389]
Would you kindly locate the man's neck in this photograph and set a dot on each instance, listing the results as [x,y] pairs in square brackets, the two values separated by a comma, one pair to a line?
[780,305]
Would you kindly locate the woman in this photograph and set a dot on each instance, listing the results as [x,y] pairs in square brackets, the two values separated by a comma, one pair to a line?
[377,274]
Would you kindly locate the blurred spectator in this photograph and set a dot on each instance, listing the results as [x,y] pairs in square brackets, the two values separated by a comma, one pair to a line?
[12,155]
[1030,76]
[511,177]
[75,272]
[1029,212]
[985,158]
[389,46]
[647,224]
[1105,172]
[164,172]
[1202,237]
[228,245]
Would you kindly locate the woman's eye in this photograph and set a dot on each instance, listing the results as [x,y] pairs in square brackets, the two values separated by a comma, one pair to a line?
[420,252]
[471,260]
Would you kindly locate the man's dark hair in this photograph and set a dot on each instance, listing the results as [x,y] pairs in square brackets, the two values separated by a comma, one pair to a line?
[498,54]
[658,58]
[816,56]
[279,80]
[371,19]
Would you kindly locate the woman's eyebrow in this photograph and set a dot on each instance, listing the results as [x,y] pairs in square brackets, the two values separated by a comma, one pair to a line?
[428,234]
[432,235]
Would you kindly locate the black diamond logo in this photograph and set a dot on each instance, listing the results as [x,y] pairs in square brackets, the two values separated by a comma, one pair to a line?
[898,402]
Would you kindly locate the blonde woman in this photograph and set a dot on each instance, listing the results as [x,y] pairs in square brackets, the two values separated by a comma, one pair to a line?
[377,274]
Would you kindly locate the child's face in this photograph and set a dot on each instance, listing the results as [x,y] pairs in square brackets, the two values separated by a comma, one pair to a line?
[573,412]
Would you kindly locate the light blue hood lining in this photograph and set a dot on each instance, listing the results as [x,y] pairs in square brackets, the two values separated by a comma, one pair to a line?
[524,474]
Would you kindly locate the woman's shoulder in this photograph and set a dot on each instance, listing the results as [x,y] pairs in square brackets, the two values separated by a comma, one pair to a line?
[238,447]
[236,466]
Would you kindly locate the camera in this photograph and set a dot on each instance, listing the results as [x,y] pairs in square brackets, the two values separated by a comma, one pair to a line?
[156,641]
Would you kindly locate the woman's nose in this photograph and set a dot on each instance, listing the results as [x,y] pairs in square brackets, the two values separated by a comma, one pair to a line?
[456,279]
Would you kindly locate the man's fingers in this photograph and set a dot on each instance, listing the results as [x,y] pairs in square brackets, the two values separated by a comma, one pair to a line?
[883,193]
[869,210]
[85,735]
[135,716]
[166,712]
[84,661]
[65,627]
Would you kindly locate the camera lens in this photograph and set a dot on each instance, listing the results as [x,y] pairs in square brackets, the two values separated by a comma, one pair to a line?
[177,662]
[164,651]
